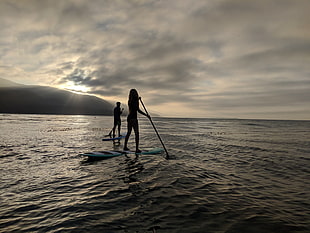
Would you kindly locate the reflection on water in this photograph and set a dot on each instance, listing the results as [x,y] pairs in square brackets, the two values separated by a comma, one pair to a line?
[227,176]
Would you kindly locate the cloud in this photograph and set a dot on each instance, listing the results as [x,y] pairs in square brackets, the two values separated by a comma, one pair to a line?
[208,57]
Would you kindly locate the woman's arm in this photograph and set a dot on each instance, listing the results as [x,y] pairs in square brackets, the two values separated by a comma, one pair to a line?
[139,110]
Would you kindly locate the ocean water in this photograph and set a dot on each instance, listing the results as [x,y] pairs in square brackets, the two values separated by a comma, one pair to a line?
[230,176]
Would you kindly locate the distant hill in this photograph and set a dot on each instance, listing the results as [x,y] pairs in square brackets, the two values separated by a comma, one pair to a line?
[29,99]
[7,83]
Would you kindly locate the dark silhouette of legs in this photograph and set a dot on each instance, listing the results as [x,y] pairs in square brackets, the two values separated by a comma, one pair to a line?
[132,124]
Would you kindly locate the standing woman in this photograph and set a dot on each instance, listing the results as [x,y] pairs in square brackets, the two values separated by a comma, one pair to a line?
[132,118]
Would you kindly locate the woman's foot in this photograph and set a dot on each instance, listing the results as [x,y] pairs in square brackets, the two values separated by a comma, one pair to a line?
[126,148]
[138,151]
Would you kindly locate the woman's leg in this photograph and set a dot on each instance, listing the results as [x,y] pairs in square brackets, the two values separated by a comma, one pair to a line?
[129,128]
[136,129]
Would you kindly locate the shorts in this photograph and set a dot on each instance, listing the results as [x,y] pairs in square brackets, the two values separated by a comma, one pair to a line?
[117,122]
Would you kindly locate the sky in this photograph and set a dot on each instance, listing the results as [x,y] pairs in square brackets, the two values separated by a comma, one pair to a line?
[187,58]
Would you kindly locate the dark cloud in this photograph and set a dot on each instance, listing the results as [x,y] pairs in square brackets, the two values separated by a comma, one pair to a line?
[78,77]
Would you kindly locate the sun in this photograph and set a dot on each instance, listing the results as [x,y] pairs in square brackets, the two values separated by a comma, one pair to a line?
[80,89]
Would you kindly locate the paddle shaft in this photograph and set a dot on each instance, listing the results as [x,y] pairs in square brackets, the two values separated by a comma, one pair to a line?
[154,127]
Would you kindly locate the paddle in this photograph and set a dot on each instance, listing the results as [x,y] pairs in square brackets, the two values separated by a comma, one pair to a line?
[154,128]
[109,135]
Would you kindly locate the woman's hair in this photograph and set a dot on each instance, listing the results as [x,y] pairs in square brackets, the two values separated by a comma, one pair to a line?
[133,97]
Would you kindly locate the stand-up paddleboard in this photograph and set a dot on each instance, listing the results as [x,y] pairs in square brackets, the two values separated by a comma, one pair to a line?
[110,154]
[112,139]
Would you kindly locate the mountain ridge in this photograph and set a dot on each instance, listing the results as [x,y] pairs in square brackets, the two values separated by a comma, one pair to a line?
[34,99]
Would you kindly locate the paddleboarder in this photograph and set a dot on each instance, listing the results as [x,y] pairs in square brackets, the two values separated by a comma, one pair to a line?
[117,119]
[132,118]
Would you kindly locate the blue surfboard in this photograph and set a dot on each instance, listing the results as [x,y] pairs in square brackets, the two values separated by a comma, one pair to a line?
[112,139]
[110,154]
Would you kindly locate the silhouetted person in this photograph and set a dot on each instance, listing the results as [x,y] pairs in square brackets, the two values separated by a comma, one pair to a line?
[117,119]
[132,118]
